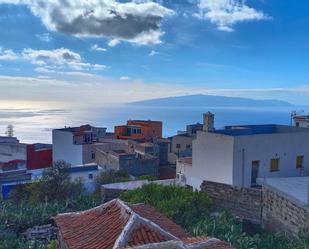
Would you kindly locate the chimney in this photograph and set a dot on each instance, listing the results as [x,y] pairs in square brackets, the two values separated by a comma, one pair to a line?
[208,122]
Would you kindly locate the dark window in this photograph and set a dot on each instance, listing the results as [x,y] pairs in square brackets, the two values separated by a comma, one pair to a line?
[188,146]
[92,155]
[178,146]
[90,176]
[299,162]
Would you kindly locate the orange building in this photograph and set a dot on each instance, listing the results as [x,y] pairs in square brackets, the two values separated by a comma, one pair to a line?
[139,130]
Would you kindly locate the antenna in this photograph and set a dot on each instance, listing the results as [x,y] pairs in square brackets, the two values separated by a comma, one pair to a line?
[294,113]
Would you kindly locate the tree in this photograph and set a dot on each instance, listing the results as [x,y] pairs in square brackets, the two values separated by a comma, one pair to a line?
[10,130]
[55,185]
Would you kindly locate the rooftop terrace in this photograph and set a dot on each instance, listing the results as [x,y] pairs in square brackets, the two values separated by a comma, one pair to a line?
[246,130]
[294,188]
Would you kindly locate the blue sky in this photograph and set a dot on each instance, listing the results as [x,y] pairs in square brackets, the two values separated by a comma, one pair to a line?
[118,51]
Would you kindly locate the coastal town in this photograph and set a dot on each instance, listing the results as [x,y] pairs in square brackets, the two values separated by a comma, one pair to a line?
[259,173]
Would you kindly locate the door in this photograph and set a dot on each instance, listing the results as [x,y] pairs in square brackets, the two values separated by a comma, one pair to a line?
[254,172]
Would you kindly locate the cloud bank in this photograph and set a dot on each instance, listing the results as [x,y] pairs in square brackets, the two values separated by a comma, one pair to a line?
[61,58]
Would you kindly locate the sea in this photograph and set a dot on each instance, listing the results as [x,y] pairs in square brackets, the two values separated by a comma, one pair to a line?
[34,125]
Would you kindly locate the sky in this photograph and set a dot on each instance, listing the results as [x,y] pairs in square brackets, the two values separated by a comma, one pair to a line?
[96,52]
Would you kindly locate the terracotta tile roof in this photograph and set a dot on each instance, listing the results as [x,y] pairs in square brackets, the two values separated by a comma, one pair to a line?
[116,224]
[144,235]
[95,228]
[206,242]
[156,217]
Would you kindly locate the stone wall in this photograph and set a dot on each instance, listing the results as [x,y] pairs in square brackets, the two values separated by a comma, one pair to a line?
[245,203]
[281,213]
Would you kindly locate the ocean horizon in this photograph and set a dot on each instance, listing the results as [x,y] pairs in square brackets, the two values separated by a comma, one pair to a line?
[34,125]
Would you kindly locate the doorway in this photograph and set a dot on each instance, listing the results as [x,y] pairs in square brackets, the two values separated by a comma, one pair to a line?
[254,172]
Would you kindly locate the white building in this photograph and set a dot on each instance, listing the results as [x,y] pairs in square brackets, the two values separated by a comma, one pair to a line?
[73,144]
[238,155]
[301,121]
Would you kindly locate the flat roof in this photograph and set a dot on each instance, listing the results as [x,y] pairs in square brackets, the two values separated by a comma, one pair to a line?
[294,188]
[246,130]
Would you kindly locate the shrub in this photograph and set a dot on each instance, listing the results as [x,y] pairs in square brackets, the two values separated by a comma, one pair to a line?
[184,206]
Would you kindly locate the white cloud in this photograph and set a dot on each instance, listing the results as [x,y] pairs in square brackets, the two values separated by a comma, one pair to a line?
[44,70]
[47,60]
[96,47]
[124,78]
[136,21]
[8,55]
[45,37]
[226,13]
[153,53]
[113,42]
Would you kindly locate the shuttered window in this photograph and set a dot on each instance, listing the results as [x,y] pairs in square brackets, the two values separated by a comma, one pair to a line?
[274,164]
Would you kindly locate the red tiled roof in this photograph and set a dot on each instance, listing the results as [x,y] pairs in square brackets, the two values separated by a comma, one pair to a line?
[95,228]
[144,235]
[212,243]
[153,215]
[119,225]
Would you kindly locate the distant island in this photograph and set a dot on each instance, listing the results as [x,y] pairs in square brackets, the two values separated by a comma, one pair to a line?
[211,101]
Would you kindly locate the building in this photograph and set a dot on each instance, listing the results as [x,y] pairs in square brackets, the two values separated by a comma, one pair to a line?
[301,121]
[181,144]
[183,168]
[87,173]
[238,155]
[142,130]
[116,224]
[11,149]
[75,144]
[39,156]
[133,163]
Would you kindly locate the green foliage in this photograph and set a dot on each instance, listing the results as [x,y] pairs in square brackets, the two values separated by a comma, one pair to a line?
[19,217]
[147,177]
[10,240]
[52,245]
[184,206]
[225,227]
[55,185]
[191,210]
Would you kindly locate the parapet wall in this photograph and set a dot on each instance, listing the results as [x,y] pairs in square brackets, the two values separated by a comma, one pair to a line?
[281,213]
[245,203]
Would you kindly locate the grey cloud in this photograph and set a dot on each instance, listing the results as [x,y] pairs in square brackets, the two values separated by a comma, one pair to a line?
[134,22]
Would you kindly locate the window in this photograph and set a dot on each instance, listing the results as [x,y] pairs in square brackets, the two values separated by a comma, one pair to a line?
[92,155]
[299,162]
[188,146]
[297,124]
[178,146]
[90,176]
[274,164]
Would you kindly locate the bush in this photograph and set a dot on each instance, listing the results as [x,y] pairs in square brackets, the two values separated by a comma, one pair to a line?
[182,205]
[55,185]
[147,177]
